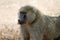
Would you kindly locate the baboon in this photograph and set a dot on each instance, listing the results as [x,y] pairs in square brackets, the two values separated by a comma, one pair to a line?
[37,26]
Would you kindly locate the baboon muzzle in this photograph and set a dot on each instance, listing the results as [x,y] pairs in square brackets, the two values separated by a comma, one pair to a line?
[20,22]
[22,18]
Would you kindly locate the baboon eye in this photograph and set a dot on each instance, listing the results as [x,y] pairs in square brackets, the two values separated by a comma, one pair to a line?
[23,14]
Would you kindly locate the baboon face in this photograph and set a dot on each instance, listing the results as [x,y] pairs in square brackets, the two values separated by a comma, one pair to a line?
[26,15]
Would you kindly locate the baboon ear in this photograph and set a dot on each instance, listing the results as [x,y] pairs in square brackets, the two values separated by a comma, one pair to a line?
[31,17]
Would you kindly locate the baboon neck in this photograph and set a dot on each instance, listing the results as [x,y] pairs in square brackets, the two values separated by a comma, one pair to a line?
[37,19]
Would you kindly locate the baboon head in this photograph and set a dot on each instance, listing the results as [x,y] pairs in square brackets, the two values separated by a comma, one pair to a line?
[27,14]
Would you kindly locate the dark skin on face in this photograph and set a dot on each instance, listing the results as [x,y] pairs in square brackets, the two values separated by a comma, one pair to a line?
[22,18]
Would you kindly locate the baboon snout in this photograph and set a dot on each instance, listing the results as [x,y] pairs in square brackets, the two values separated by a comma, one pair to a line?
[22,18]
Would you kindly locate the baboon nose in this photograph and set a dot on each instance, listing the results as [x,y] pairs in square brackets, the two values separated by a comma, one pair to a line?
[20,22]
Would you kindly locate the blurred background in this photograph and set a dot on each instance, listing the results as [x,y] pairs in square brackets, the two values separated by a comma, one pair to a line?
[9,29]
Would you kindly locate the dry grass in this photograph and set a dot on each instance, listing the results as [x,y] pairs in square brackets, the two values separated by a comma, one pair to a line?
[9,32]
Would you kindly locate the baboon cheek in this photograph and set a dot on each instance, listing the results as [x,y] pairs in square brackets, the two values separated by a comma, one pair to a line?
[31,17]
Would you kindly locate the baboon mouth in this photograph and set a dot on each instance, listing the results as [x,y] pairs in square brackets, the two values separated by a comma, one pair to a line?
[21,22]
